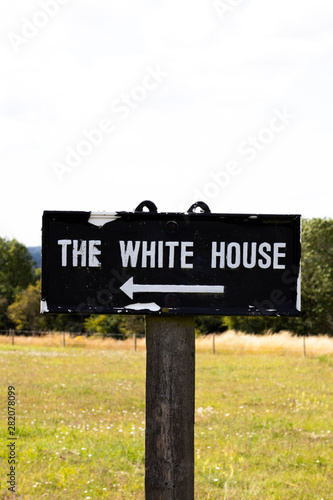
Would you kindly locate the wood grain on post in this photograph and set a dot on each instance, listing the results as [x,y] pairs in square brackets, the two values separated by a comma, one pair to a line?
[170,387]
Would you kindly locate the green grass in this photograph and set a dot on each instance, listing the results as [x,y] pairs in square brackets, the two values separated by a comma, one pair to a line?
[264,426]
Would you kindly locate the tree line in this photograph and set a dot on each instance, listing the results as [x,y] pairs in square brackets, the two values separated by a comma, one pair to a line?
[20,296]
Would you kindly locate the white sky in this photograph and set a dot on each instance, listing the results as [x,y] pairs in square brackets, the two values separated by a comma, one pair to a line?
[227,70]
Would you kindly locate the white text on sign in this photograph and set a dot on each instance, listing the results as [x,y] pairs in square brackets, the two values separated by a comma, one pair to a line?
[153,253]
[85,251]
[171,254]
[223,255]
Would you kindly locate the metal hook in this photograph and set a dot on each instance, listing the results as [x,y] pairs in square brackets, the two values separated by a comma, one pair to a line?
[199,204]
[148,204]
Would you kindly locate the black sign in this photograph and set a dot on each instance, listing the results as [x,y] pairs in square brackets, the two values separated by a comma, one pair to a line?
[171,263]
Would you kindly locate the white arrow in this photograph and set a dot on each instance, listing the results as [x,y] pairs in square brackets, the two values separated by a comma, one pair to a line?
[129,288]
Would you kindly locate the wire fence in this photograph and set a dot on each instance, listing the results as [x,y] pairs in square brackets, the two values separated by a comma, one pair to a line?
[114,340]
[83,339]
[227,341]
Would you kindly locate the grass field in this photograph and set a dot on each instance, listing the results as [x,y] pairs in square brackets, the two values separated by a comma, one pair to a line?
[282,343]
[264,420]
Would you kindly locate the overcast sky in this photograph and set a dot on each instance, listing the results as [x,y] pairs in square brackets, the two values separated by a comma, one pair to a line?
[106,104]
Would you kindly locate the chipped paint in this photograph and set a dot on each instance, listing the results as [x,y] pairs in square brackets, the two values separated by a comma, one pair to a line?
[298,292]
[43,307]
[298,298]
[150,306]
[101,218]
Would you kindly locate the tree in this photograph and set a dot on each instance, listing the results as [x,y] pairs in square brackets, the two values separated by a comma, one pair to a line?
[317,279]
[115,326]
[251,324]
[105,325]
[24,311]
[16,268]
[135,324]
[72,323]
[210,324]
[3,312]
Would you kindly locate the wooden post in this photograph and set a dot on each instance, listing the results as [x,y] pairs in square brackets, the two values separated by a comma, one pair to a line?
[135,342]
[63,339]
[13,335]
[304,348]
[170,408]
[213,343]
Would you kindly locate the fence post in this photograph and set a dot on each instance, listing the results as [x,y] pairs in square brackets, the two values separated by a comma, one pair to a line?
[170,382]
[63,339]
[12,331]
[135,342]
[213,343]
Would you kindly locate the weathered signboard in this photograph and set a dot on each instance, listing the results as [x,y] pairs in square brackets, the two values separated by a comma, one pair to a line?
[171,263]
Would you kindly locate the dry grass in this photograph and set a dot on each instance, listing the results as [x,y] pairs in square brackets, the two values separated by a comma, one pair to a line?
[57,340]
[282,343]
